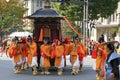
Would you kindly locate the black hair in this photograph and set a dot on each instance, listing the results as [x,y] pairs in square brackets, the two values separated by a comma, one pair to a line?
[101,39]
[75,38]
[110,46]
[16,38]
[29,37]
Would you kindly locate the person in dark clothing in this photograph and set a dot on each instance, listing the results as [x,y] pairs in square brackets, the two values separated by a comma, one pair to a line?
[112,63]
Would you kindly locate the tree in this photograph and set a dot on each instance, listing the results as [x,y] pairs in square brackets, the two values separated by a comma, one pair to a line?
[10,13]
[101,8]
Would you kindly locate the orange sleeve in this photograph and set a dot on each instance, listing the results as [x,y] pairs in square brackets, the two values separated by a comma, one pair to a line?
[84,49]
[66,49]
[70,48]
[45,50]
[10,49]
[59,51]
[80,50]
[33,49]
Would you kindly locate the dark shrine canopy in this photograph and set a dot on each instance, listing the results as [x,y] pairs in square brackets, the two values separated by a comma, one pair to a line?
[45,13]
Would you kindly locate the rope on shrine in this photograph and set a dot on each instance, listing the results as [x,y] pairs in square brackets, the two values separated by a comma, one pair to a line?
[23,26]
[18,22]
[75,30]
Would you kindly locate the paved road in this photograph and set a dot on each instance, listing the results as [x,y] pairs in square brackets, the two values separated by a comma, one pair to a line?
[6,72]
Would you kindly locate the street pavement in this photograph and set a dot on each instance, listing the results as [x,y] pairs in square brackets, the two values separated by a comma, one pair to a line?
[6,72]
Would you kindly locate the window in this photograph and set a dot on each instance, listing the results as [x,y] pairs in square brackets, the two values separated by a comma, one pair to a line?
[38,1]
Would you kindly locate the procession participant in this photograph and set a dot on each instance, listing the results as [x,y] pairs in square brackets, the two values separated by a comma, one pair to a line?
[57,53]
[67,44]
[32,54]
[101,54]
[112,63]
[14,52]
[24,53]
[45,57]
[82,54]
[74,54]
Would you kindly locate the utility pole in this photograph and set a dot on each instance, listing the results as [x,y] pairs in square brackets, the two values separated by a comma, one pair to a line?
[85,4]
[85,20]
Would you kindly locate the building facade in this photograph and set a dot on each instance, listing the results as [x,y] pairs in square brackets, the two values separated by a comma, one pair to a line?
[108,27]
[32,6]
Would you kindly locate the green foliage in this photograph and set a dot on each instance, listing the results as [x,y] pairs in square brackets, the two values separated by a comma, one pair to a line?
[101,8]
[73,12]
[10,13]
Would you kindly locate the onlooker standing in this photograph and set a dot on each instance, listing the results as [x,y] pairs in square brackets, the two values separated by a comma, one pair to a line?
[112,63]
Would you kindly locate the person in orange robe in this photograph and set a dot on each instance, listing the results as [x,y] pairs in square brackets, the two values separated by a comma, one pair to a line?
[67,48]
[82,54]
[32,55]
[76,50]
[24,53]
[57,53]
[14,52]
[45,57]
[101,54]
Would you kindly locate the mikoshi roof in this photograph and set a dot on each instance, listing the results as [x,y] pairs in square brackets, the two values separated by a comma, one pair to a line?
[44,13]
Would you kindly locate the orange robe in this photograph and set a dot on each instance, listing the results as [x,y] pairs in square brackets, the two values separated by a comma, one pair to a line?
[24,51]
[67,49]
[58,53]
[32,52]
[101,56]
[75,52]
[82,52]
[45,53]
[11,47]
[84,49]
[17,53]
